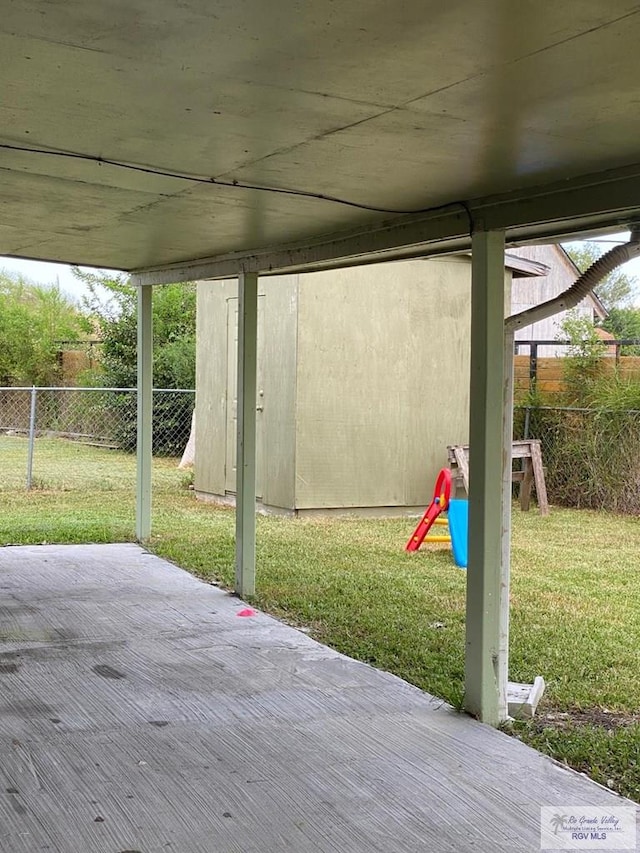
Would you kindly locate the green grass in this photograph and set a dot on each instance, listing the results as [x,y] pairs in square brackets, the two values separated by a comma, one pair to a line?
[575,593]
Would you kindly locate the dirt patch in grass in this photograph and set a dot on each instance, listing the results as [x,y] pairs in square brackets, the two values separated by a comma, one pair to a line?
[609,720]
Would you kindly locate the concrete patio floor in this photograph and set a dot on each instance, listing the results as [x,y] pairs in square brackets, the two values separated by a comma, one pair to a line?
[139,712]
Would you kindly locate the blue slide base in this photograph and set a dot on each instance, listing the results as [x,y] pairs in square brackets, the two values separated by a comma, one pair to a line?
[458,516]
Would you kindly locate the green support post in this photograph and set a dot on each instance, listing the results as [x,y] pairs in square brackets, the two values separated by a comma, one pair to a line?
[485,692]
[145,412]
[507,487]
[246,453]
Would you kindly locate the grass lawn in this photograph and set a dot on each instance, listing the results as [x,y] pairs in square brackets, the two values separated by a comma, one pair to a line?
[575,591]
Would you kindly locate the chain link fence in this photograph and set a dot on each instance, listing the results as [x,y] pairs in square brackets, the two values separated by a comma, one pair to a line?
[591,457]
[46,433]
[65,438]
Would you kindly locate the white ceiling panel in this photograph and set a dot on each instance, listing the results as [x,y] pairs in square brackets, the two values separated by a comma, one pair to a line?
[396,106]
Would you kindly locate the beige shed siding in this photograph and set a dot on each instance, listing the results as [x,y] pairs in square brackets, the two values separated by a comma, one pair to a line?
[279,400]
[438,327]
[277,352]
[365,380]
[383,365]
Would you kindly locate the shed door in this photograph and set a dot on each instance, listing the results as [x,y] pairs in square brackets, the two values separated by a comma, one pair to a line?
[232,397]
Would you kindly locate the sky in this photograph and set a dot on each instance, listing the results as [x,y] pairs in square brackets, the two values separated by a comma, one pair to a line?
[45,273]
[631,268]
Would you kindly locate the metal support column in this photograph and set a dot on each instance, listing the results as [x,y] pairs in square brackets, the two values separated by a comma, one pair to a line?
[485,689]
[145,412]
[246,453]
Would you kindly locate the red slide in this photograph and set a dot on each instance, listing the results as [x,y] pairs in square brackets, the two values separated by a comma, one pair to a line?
[440,502]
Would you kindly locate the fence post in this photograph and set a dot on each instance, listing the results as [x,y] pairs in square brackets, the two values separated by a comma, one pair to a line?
[32,436]
[533,365]
[527,422]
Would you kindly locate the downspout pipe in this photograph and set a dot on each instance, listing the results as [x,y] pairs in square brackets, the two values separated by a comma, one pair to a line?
[581,287]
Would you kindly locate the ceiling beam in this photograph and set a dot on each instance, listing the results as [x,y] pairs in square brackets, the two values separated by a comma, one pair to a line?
[606,200]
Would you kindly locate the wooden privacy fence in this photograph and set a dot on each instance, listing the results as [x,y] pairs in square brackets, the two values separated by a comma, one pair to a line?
[547,374]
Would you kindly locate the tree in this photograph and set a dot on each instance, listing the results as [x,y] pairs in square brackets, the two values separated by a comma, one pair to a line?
[112,302]
[583,362]
[618,289]
[624,323]
[34,320]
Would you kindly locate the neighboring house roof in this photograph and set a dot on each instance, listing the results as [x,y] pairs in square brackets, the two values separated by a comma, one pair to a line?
[598,305]
[519,266]
[604,335]
[567,259]
[607,336]
[524,267]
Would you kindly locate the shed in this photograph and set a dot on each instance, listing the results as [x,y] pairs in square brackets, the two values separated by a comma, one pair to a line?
[351,378]
[363,380]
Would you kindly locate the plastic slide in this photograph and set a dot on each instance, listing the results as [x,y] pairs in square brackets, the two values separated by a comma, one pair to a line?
[439,504]
[459,529]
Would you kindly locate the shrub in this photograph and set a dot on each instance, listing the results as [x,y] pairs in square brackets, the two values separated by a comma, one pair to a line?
[174,357]
[590,432]
[171,421]
[591,457]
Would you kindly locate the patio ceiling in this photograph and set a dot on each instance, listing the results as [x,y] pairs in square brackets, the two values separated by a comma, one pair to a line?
[395,106]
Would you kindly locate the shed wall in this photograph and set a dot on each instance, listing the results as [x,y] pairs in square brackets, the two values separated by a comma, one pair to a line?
[280,352]
[276,390]
[383,381]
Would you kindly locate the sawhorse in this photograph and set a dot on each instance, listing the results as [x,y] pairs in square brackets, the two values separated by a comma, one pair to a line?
[531,473]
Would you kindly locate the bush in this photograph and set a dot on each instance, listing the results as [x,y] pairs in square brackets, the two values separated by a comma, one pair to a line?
[171,421]
[174,357]
[590,432]
[591,457]
[34,319]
